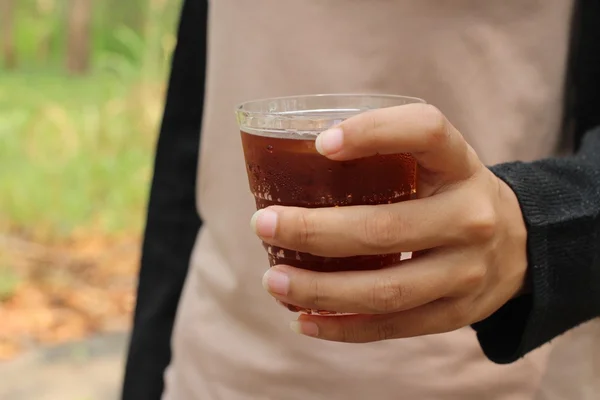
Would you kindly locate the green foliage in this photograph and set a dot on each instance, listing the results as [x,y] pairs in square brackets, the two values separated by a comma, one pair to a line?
[124,30]
[76,153]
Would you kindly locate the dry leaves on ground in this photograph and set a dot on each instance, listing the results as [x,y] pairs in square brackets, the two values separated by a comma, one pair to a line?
[66,291]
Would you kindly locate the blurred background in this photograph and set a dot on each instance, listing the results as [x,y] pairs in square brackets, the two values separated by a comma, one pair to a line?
[82,86]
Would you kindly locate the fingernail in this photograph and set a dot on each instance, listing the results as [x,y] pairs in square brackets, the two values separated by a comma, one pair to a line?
[264,223]
[305,328]
[330,141]
[276,282]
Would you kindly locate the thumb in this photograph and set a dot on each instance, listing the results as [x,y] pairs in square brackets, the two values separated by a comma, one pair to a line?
[419,129]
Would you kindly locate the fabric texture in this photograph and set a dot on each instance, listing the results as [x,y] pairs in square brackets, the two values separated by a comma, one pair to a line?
[495,69]
[560,201]
[172,221]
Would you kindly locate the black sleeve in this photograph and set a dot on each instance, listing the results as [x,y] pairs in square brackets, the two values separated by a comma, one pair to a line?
[172,221]
[560,201]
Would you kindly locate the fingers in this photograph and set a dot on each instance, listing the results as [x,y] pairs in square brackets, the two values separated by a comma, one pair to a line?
[436,317]
[408,285]
[419,129]
[440,220]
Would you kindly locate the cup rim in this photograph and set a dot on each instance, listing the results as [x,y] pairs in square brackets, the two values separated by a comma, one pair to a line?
[240,106]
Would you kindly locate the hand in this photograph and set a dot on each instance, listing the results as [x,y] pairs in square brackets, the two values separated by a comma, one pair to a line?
[466,225]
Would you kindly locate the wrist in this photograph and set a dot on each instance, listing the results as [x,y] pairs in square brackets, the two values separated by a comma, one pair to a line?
[516,234]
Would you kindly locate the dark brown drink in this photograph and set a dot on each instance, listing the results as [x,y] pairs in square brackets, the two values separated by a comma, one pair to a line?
[285,169]
[290,172]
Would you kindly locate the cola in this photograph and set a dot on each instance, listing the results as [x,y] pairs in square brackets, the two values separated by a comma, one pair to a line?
[290,172]
[285,169]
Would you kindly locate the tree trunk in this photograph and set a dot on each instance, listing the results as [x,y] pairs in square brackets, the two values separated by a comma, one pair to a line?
[132,14]
[78,40]
[7,8]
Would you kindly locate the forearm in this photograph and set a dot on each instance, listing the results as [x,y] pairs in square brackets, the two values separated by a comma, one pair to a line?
[560,201]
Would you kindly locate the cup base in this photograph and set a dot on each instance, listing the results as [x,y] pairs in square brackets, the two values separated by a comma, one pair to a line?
[307,311]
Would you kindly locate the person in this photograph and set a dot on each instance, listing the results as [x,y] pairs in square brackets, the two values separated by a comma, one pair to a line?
[510,253]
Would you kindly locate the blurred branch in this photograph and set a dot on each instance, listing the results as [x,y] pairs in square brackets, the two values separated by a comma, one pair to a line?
[78,36]
[131,13]
[7,14]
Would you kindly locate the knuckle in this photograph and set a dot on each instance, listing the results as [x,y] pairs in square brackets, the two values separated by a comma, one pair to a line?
[386,330]
[374,133]
[482,221]
[373,120]
[315,293]
[435,125]
[386,296]
[306,230]
[457,316]
[473,277]
[380,231]
[346,334]
[367,130]
[369,122]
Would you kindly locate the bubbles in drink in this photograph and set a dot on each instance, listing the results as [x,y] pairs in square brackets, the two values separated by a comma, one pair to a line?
[291,171]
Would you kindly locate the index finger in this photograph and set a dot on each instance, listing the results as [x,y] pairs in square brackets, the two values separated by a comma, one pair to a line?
[419,129]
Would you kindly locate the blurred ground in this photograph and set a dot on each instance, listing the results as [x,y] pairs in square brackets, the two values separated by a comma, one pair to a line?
[82,370]
[65,291]
[82,85]
[81,94]
[76,156]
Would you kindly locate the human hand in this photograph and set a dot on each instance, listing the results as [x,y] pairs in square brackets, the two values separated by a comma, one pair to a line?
[466,225]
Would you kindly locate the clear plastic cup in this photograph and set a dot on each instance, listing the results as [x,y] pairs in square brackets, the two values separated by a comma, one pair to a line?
[284,168]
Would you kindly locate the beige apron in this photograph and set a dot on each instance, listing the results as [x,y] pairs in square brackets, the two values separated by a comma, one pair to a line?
[495,68]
